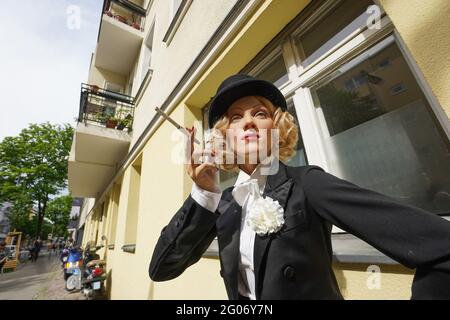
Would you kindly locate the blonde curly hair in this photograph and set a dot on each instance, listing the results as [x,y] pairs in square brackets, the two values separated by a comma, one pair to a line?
[282,120]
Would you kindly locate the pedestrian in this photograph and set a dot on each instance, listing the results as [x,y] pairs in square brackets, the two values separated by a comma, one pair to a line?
[49,250]
[35,251]
[54,248]
[274,225]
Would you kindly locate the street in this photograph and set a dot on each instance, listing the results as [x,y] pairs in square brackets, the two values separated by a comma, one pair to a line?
[36,281]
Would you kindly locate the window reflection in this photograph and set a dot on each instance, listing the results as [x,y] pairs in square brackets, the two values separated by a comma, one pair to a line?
[379,131]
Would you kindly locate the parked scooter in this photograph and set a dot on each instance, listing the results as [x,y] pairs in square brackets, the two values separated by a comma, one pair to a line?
[94,275]
[63,257]
[73,269]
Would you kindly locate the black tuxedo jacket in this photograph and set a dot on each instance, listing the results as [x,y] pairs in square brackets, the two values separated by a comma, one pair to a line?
[296,262]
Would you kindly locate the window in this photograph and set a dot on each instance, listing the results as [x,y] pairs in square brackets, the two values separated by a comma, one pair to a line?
[133,202]
[338,23]
[381,133]
[147,56]
[399,88]
[115,197]
[175,6]
[364,113]
[113,87]
[178,9]
[300,158]
[103,218]
[274,72]
[110,104]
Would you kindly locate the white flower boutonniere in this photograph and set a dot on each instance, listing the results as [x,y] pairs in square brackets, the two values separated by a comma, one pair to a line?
[264,215]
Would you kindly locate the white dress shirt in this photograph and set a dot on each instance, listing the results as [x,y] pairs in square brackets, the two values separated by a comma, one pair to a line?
[210,201]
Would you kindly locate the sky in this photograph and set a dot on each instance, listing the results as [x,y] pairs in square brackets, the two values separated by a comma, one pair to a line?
[45,52]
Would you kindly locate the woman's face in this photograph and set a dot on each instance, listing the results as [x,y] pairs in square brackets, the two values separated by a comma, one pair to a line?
[249,129]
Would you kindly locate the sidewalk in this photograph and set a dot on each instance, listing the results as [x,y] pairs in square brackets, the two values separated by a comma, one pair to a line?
[54,288]
[27,280]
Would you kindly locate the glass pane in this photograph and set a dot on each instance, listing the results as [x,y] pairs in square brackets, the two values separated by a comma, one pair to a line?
[380,132]
[275,72]
[343,20]
[299,159]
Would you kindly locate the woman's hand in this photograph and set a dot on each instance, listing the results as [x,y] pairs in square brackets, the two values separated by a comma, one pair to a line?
[201,169]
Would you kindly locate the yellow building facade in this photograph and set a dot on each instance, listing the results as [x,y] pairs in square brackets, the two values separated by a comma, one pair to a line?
[355,73]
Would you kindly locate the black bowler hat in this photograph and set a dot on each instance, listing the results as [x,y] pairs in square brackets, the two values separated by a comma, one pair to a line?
[242,85]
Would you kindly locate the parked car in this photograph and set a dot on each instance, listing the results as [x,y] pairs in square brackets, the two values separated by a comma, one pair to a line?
[12,250]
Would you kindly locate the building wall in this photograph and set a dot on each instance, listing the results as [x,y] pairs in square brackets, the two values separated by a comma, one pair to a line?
[171,61]
[161,195]
[164,185]
[357,283]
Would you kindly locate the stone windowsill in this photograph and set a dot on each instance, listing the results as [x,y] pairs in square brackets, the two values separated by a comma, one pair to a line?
[346,249]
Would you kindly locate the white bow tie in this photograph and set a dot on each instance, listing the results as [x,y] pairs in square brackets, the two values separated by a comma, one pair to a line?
[241,191]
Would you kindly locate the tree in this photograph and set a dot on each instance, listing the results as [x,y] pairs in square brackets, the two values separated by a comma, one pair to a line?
[21,216]
[33,167]
[58,211]
[346,109]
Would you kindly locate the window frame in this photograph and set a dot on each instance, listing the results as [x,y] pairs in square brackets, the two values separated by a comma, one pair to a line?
[175,19]
[258,65]
[302,79]
[144,79]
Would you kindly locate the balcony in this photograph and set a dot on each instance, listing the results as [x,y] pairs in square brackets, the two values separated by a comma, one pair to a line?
[120,35]
[101,139]
[126,12]
[106,108]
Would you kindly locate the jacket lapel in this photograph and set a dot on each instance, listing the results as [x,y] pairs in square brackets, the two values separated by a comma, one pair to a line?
[277,187]
[228,227]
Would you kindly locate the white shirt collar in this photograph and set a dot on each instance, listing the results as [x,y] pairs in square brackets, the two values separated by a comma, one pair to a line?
[260,173]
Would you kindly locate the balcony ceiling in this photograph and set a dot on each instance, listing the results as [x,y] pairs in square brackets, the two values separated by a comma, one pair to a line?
[93,158]
[118,46]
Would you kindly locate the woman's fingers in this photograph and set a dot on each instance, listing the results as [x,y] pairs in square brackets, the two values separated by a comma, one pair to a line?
[203,156]
[201,166]
[190,142]
[206,168]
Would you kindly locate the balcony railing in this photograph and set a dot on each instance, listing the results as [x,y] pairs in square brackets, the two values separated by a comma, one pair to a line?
[106,108]
[126,12]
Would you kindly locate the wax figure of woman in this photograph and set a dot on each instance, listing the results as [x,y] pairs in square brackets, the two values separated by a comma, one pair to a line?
[274,229]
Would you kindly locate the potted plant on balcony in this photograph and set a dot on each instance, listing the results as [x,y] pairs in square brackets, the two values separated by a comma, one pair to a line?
[121,18]
[98,117]
[125,123]
[94,88]
[111,122]
[106,120]
[136,25]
